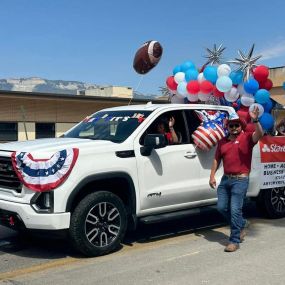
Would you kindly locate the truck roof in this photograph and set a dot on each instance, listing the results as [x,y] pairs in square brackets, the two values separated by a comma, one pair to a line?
[151,107]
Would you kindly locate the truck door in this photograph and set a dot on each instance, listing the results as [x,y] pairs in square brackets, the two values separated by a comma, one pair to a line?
[170,176]
[205,158]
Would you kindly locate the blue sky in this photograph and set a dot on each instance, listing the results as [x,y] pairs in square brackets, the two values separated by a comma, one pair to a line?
[95,41]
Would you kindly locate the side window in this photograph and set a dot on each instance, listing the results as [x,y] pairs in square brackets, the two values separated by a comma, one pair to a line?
[8,131]
[211,118]
[193,122]
[45,130]
[161,125]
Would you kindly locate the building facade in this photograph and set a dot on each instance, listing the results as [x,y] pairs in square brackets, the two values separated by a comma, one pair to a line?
[31,115]
[27,115]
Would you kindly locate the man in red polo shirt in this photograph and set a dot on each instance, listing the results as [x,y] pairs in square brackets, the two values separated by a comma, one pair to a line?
[235,151]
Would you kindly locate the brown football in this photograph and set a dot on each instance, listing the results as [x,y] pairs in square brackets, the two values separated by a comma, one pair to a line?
[147,57]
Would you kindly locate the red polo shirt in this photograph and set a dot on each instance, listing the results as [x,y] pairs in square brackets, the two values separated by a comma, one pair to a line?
[236,154]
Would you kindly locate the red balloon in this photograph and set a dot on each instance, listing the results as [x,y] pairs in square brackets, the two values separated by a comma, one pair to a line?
[217,93]
[171,84]
[206,87]
[268,84]
[147,57]
[193,87]
[260,73]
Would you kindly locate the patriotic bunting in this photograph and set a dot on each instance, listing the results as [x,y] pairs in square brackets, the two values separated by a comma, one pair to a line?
[44,174]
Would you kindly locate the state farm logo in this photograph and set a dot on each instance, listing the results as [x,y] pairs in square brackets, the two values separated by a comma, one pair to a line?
[266,148]
[273,148]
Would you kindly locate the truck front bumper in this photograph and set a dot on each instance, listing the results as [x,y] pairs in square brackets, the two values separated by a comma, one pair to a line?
[17,215]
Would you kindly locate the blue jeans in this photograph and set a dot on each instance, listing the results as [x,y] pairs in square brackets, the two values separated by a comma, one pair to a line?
[231,194]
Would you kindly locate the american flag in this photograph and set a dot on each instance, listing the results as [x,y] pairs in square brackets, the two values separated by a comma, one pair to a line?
[207,135]
[44,174]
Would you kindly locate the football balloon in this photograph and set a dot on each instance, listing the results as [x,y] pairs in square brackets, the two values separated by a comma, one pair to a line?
[147,57]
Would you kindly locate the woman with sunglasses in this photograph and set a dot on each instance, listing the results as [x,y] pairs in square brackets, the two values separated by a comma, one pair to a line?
[235,151]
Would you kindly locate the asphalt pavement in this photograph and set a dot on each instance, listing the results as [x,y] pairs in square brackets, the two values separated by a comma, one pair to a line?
[187,251]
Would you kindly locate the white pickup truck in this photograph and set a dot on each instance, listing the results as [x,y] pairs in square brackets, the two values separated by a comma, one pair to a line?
[124,172]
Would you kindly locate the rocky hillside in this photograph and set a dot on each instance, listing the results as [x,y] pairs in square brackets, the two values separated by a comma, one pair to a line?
[36,84]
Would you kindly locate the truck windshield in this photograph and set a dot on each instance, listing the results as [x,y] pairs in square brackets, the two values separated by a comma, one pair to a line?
[115,126]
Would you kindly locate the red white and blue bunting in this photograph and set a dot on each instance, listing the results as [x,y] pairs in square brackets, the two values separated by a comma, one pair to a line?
[44,174]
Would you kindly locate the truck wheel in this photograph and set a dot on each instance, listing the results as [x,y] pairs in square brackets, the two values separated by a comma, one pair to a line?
[98,224]
[272,202]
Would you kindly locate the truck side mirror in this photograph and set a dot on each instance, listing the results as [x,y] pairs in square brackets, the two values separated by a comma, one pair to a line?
[152,141]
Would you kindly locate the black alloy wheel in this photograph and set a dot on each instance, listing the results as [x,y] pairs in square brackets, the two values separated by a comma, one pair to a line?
[98,224]
[102,224]
[272,202]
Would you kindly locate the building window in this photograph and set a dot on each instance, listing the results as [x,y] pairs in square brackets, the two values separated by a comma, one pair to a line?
[8,132]
[45,130]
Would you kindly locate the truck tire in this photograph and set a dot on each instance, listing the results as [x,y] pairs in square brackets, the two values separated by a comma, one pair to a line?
[272,202]
[98,224]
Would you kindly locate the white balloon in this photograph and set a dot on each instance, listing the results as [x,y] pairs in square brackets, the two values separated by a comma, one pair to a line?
[232,95]
[179,77]
[224,70]
[177,99]
[201,77]
[203,96]
[260,108]
[247,99]
[224,84]
[192,98]
[181,89]
[240,89]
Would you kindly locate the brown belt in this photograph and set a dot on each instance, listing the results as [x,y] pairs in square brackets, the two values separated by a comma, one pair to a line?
[242,175]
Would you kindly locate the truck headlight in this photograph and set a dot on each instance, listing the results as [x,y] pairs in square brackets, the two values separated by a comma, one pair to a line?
[42,202]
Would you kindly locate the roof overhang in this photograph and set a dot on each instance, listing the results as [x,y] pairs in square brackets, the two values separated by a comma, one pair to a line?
[280,99]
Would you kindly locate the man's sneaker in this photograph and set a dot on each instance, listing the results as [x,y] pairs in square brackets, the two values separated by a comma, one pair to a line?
[243,231]
[231,247]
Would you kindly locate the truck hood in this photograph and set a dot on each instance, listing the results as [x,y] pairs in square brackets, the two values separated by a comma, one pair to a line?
[53,145]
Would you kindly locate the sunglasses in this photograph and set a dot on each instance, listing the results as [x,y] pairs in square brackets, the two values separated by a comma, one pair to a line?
[231,126]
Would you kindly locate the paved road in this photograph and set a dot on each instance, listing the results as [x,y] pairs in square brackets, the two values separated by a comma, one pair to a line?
[188,251]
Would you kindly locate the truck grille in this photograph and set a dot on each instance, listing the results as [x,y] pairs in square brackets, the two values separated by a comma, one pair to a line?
[8,176]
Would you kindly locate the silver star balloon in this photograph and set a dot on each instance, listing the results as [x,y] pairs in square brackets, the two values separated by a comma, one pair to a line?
[214,55]
[246,62]
[213,100]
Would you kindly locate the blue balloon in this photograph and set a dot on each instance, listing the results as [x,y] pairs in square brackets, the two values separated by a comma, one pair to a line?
[232,76]
[236,77]
[176,69]
[187,65]
[267,106]
[191,74]
[284,85]
[251,86]
[262,96]
[210,73]
[239,77]
[266,121]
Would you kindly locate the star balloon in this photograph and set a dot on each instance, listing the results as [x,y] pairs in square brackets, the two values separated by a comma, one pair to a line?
[246,62]
[214,55]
